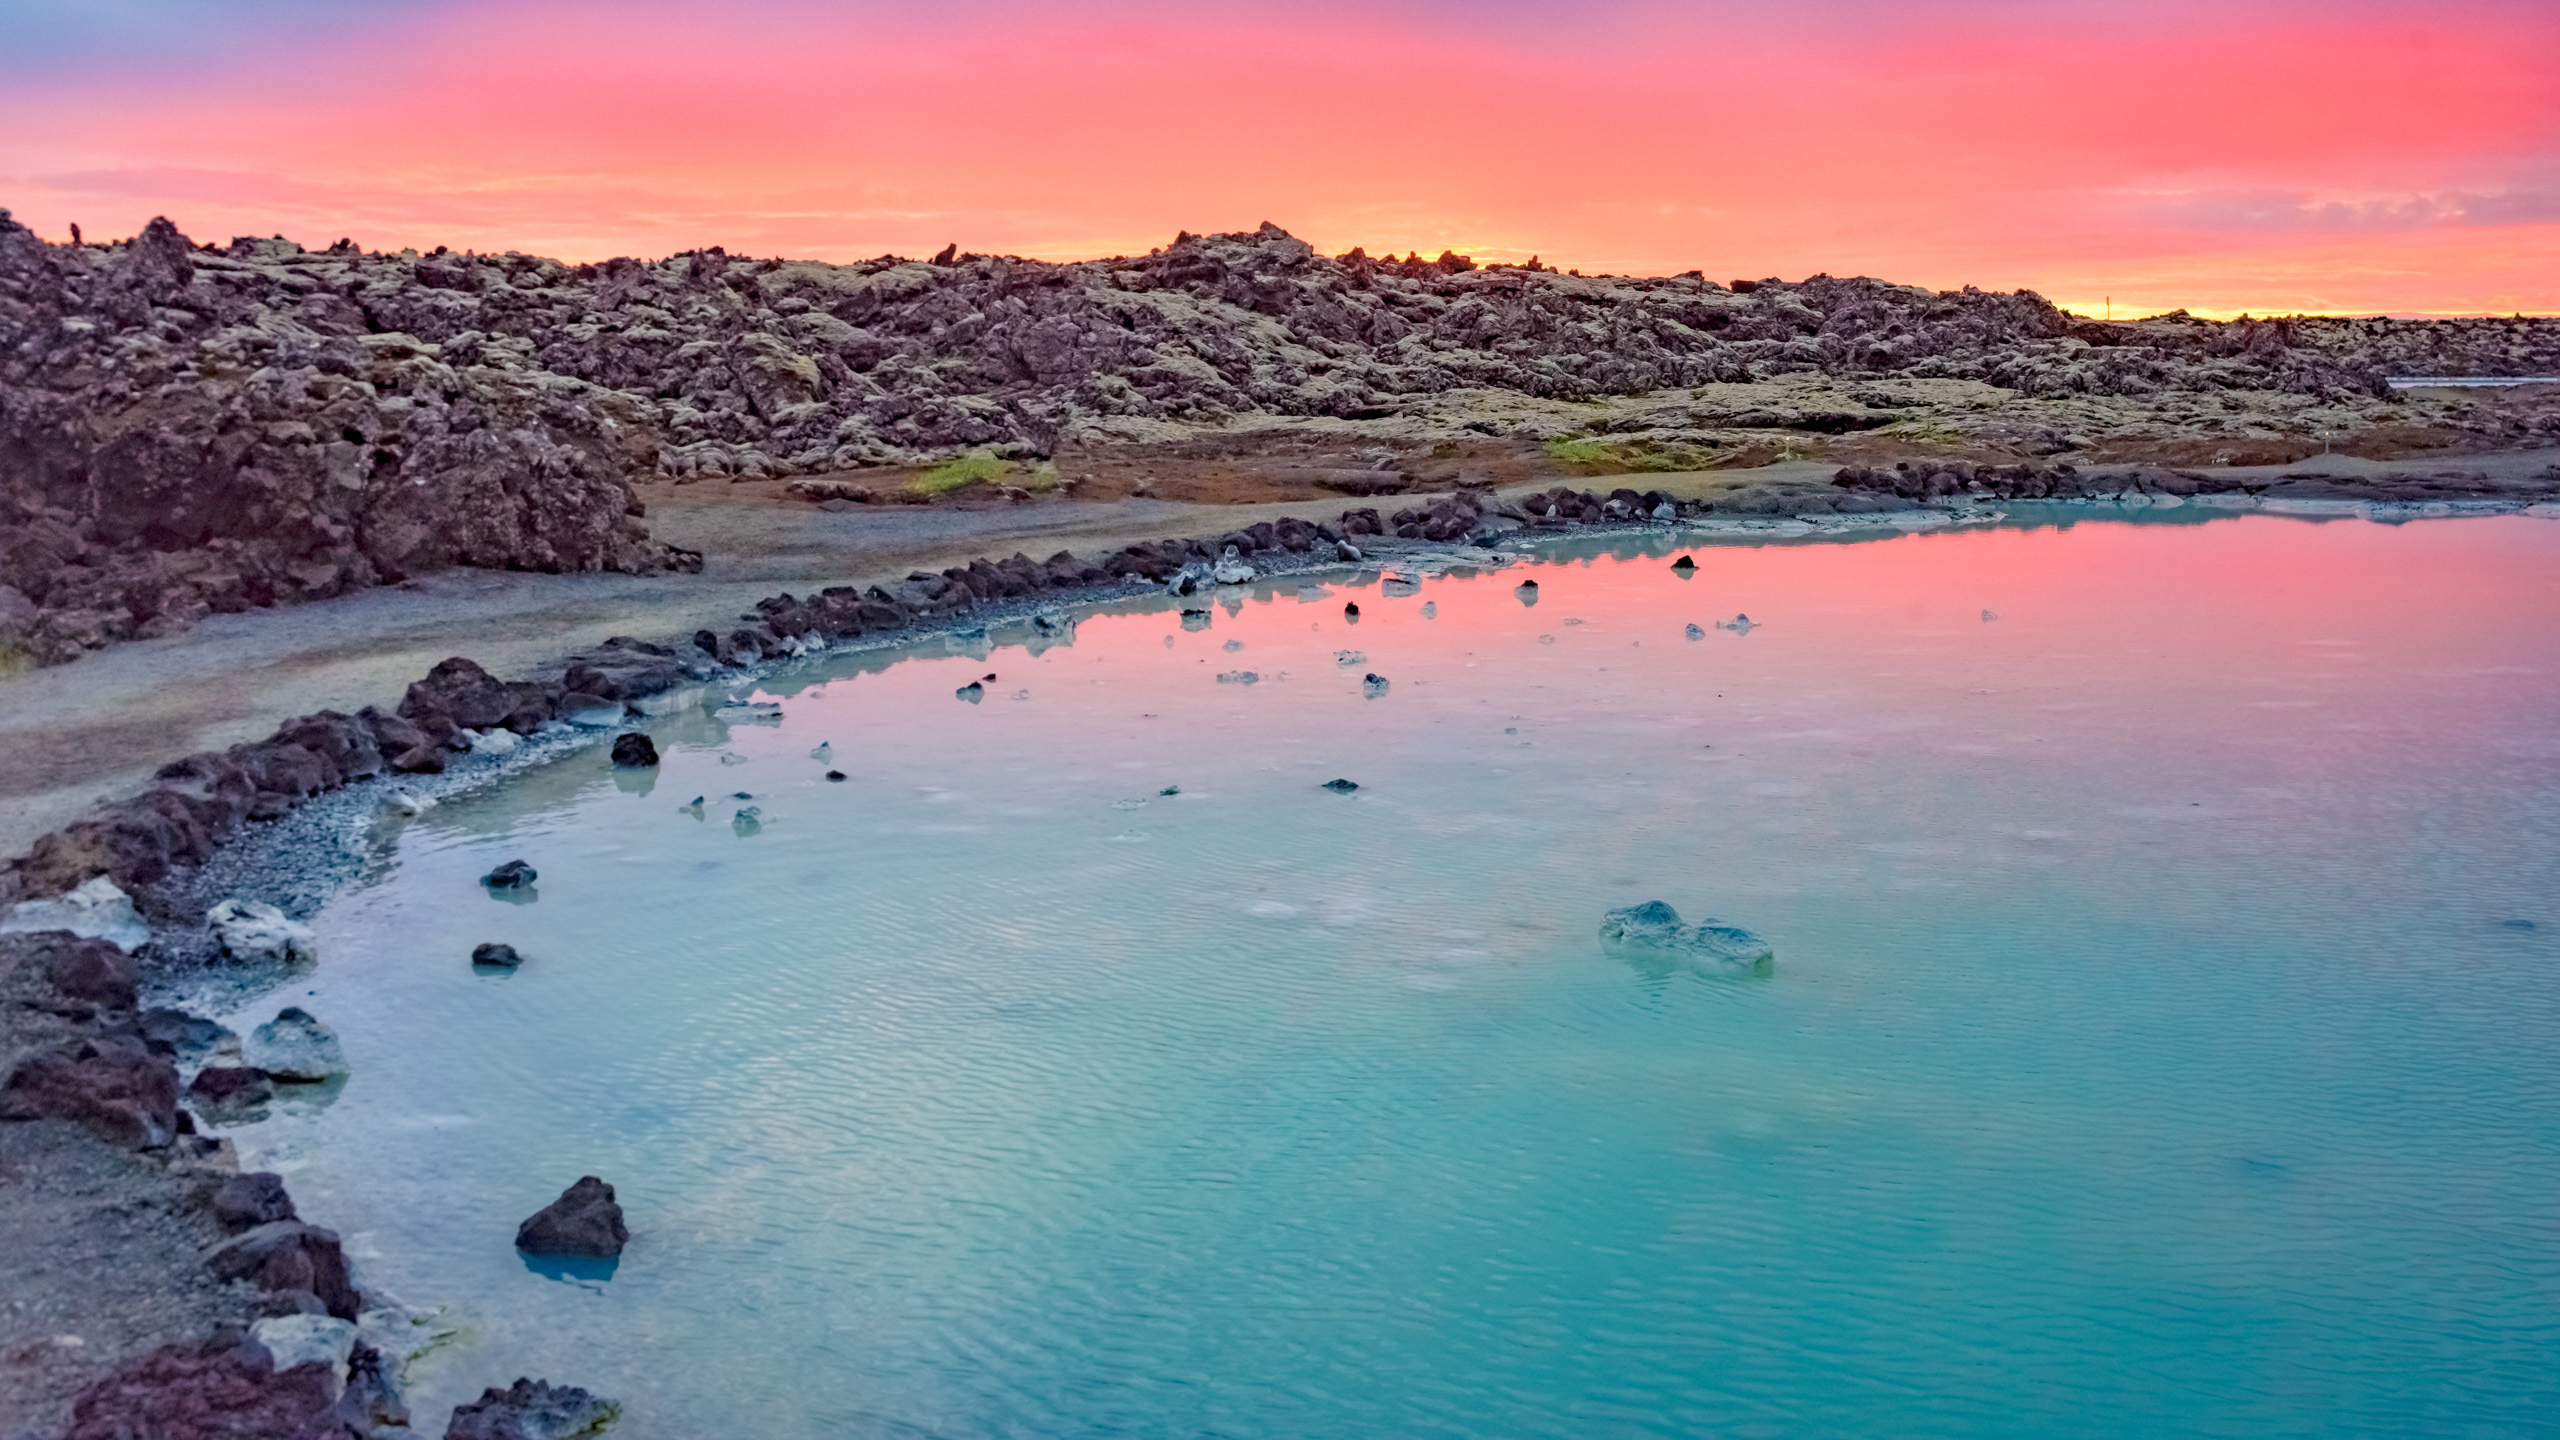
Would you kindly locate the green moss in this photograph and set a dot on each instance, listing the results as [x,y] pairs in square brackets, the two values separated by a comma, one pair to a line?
[1613,455]
[951,474]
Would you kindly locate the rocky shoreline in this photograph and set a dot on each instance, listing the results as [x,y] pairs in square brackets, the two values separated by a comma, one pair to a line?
[254,1324]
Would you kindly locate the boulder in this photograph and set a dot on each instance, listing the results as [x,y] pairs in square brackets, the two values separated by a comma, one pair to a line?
[226,1387]
[532,1410]
[246,1201]
[85,971]
[634,750]
[323,1340]
[461,692]
[296,1047]
[98,909]
[113,1085]
[189,1038]
[372,1400]
[285,1257]
[254,930]
[1654,926]
[585,1220]
[228,1091]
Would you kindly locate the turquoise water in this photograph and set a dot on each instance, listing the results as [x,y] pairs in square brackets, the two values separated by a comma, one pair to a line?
[2164,1036]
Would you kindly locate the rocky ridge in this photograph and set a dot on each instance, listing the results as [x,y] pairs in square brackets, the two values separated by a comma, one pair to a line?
[187,429]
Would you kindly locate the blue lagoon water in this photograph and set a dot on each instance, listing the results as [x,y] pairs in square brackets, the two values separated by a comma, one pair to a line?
[2164,1036]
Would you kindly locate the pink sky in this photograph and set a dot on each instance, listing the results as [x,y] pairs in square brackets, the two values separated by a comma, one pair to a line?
[2264,155]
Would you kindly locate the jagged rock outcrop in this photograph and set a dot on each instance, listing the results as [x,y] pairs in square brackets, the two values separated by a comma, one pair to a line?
[185,431]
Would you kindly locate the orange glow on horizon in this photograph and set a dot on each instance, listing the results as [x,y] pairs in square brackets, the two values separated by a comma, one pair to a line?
[2283,159]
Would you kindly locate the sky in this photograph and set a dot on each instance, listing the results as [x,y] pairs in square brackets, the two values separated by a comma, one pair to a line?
[2268,156]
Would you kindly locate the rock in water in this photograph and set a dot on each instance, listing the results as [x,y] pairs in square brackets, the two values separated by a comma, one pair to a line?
[1684,567]
[1351,611]
[513,875]
[296,1047]
[1694,633]
[973,692]
[1373,685]
[493,953]
[532,1410]
[835,775]
[1527,591]
[252,930]
[1341,787]
[585,1220]
[634,750]
[223,1092]
[1655,926]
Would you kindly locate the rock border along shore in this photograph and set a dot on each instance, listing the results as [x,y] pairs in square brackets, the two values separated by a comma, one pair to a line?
[81,1048]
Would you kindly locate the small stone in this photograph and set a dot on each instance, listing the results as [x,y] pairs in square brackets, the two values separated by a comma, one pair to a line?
[835,775]
[585,1220]
[1341,787]
[494,953]
[513,875]
[1351,611]
[634,750]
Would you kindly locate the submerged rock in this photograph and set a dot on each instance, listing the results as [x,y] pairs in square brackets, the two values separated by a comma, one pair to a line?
[1341,787]
[296,1047]
[1739,624]
[752,712]
[585,1220]
[1527,591]
[1695,632]
[973,692]
[254,930]
[98,910]
[1349,657]
[1655,926]
[494,953]
[634,750]
[1239,677]
[513,875]
[532,1410]
[1373,685]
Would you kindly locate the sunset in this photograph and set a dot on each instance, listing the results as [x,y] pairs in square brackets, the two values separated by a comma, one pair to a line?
[1503,721]
[2254,156]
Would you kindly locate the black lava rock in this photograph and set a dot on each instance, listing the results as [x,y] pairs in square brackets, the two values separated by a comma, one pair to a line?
[583,1221]
[493,953]
[635,751]
[513,875]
